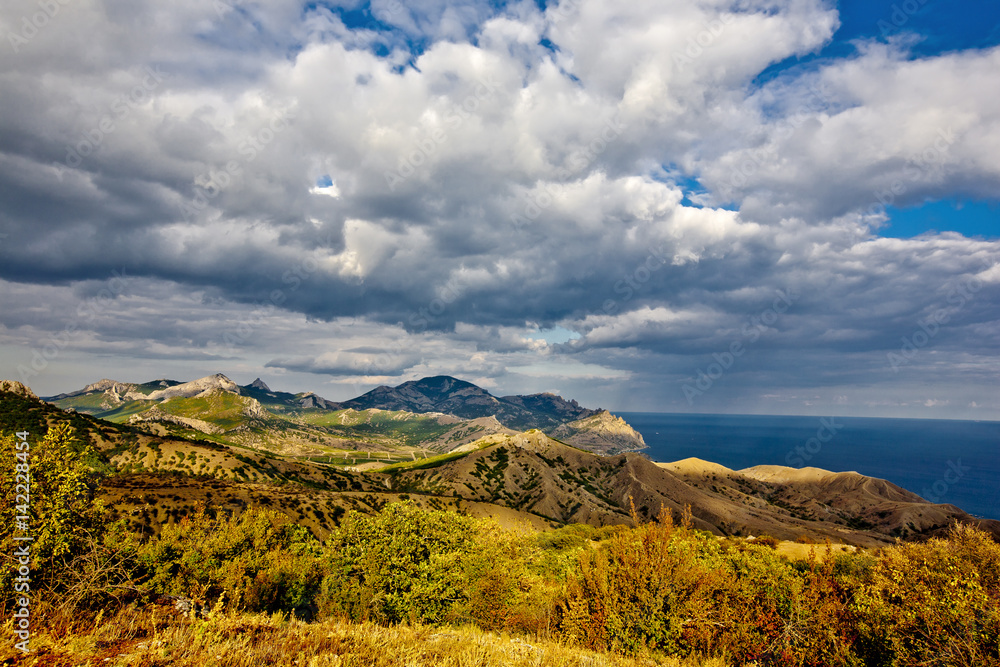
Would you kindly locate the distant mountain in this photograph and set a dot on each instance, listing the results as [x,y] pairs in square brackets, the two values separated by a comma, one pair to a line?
[433,394]
[259,384]
[255,415]
[603,433]
[593,430]
[217,382]
[304,424]
[106,395]
[464,399]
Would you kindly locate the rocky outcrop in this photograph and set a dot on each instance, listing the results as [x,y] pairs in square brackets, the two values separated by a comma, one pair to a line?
[196,388]
[463,399]
[253,409]
[310,400]
[15,387]
[602,433]
[119,392]
[155,414]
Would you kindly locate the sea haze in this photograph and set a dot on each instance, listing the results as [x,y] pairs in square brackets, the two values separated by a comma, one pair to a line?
[921,455]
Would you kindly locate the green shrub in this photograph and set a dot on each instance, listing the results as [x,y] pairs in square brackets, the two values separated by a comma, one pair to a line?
[258,560]
[935,603]
[400,564]
[410,564]
[63,518]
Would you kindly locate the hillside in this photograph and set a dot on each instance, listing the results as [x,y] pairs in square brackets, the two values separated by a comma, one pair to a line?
[253,416]
[602,433]
[239,580]
[532,473]
[527,477]
[413,419]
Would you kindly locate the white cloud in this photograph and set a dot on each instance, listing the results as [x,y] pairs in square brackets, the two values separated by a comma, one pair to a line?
[481,179]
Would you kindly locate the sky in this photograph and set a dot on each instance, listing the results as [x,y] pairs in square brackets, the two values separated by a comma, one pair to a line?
[722,206]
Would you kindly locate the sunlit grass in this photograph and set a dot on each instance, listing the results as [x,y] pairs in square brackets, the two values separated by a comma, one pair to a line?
[154,637]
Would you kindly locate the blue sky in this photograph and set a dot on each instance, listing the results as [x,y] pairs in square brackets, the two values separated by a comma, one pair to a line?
[933,28]
[646,206]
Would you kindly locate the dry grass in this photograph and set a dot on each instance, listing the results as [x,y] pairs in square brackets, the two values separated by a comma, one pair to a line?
[153,637]
[799,551]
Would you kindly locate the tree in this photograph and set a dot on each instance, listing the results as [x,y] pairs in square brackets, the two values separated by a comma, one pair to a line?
[62,516]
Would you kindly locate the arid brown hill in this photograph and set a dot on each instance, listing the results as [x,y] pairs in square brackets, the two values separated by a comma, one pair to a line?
[533,473]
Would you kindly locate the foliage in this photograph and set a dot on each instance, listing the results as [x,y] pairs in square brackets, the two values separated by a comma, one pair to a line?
[676,591]
[936,603]
[656,589]
[142,638]
[62,515]
[256,561]
[409,564]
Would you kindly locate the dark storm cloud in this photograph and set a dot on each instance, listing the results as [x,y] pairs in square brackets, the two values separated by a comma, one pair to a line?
[484,190]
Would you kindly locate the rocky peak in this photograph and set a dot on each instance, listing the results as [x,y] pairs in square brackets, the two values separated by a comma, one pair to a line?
[100,385]
[260,384]
[15,387]
[601,432]
[190,389]
[118,393]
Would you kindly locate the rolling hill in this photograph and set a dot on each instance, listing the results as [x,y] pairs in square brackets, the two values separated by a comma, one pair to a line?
[527,478]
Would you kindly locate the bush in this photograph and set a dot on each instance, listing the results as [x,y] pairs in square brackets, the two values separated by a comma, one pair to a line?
[681,592]
[647,588]
[767,541]
[63,518]
[656,587]
[258,560]
[936,603]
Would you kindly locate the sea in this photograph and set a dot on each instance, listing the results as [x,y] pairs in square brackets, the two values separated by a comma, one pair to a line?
[944,461]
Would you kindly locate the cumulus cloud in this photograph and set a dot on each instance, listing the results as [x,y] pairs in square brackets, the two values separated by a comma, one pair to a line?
[356,192]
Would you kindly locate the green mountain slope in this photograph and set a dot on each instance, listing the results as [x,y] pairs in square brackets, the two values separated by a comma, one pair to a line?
[402,423]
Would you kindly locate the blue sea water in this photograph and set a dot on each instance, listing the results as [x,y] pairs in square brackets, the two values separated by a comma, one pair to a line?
[945,461]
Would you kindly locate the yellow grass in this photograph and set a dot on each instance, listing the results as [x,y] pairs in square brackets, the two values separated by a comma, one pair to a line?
[798,551]
[155,637]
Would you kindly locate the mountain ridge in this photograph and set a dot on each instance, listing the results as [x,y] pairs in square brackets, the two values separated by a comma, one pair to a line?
[435,395]
[521,476]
